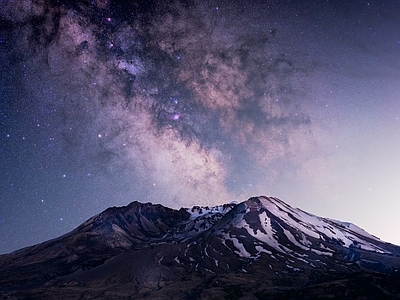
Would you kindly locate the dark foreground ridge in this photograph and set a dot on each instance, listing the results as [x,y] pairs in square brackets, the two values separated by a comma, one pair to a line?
[258,249]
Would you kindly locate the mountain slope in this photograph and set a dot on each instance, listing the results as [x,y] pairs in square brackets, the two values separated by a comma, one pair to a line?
[260,248]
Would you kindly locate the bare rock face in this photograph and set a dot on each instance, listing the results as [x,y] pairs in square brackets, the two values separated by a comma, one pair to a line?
[258,249]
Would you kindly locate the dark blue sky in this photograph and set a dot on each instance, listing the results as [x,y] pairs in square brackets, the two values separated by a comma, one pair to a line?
[197,103]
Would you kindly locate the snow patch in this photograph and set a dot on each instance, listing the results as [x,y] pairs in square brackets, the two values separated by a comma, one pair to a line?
[261,249]
[266,237]
[321,252]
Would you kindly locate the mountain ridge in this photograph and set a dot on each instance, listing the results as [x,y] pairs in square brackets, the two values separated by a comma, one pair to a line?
[259,248]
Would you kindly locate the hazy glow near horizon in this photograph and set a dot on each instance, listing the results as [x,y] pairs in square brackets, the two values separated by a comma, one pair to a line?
[197,103]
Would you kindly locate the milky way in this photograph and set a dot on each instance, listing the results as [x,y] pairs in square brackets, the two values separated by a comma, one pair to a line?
[179,103]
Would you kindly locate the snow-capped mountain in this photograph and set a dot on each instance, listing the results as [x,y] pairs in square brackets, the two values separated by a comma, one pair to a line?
[260,248]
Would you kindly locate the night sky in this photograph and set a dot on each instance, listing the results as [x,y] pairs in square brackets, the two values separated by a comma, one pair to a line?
[197,103]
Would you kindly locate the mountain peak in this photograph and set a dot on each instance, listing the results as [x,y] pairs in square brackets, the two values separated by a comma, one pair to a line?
[237,244]
[308,228]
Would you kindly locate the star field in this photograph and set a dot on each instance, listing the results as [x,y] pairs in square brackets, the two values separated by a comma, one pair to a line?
[197,103]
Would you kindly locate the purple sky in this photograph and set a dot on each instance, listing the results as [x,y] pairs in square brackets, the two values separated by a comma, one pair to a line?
[197,103]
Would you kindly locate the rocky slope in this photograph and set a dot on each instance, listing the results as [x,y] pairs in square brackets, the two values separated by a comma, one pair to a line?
[261,248]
